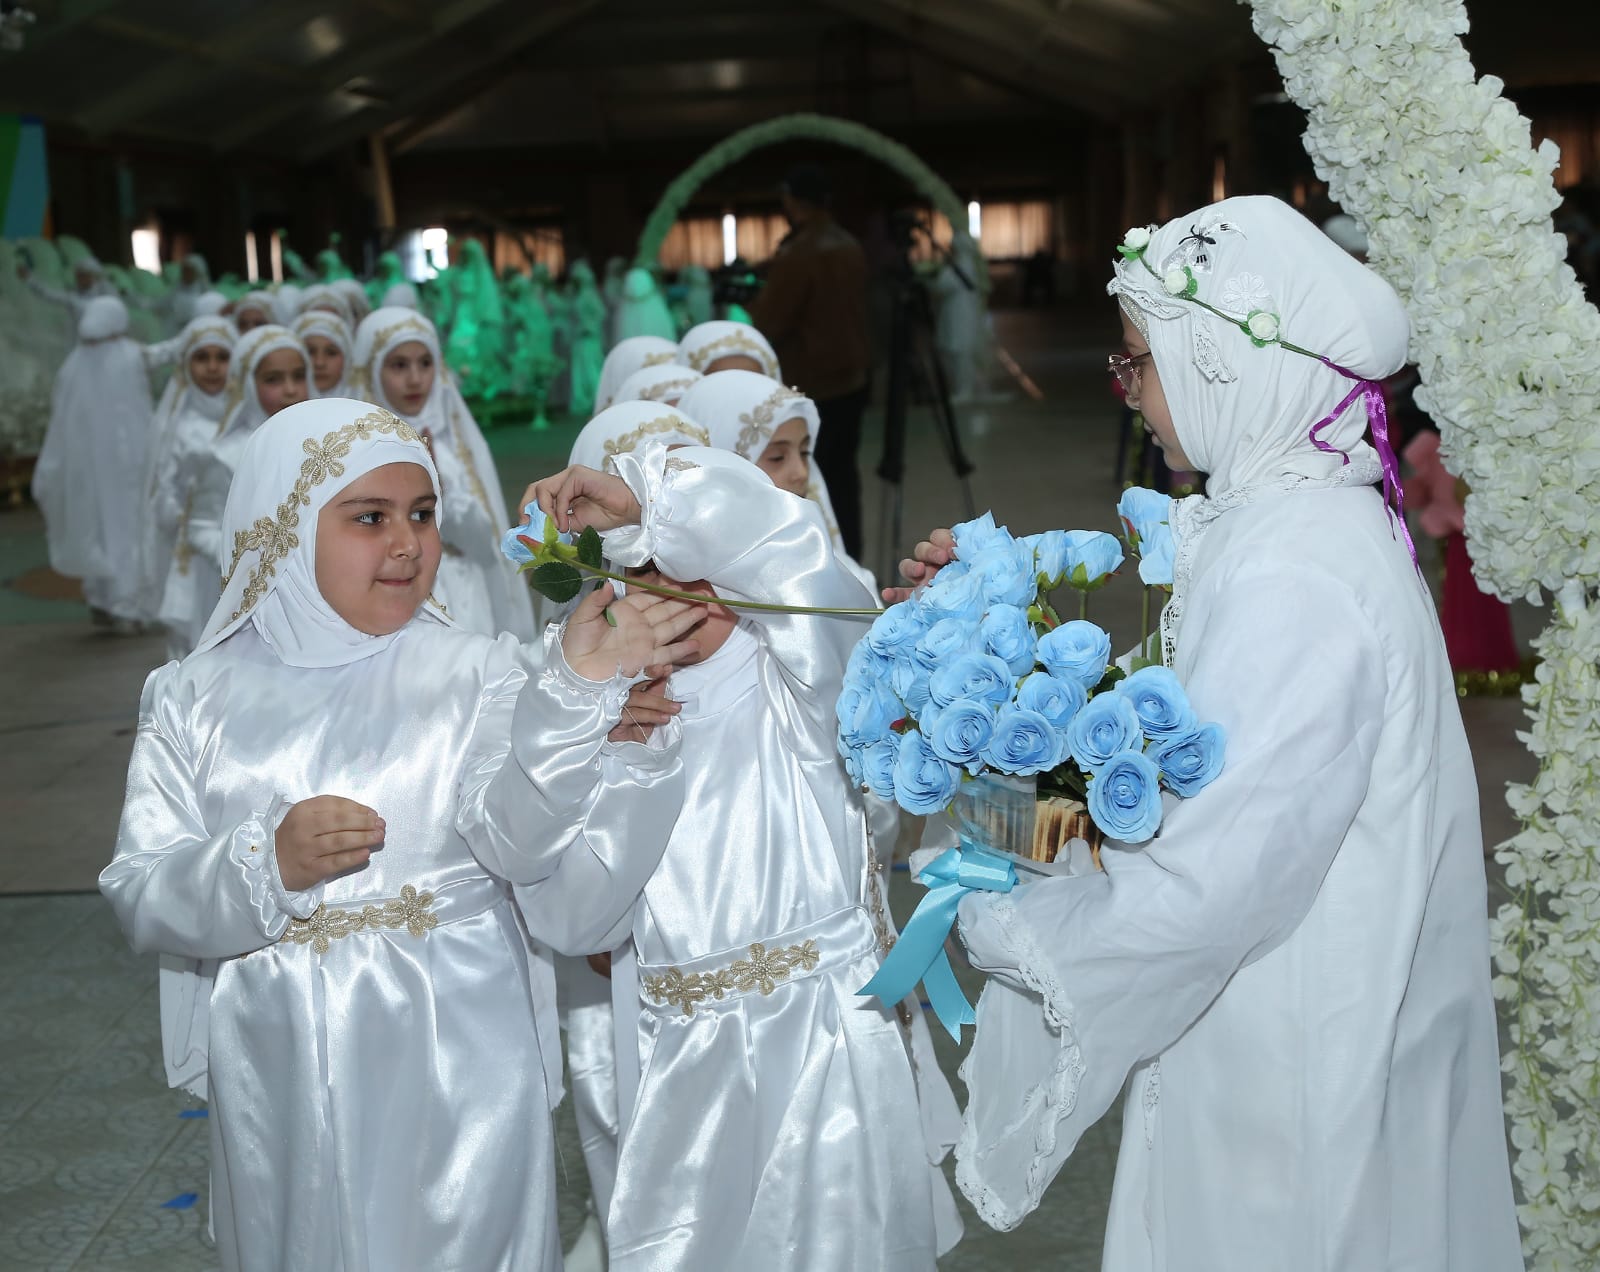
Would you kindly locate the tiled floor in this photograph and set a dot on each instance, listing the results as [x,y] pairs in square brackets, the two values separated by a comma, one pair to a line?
[98,1163]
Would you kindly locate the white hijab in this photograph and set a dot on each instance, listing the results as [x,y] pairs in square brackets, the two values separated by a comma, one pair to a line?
[292,468]
[642,309]
[180,394]
[243,411]
[1244,411]
[209,304]
[628,356]
[705,344]
[630,426]
[286,303]
[665,382]
[355,297]
[319,322]
[400,296]
[326,297]
[261,302]
[742,409]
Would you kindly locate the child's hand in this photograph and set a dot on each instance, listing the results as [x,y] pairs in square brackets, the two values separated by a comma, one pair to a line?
[647,708]
[931,555]
[578,497]
[600,964]
[325,836]
[649,631]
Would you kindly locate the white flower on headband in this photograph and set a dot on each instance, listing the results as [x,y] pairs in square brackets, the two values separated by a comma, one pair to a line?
[1180,281]
[1138,238]
[1262,326]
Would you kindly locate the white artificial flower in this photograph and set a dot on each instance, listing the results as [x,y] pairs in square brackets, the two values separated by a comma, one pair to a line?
[1176,281]
[1263,326]
[1136,239]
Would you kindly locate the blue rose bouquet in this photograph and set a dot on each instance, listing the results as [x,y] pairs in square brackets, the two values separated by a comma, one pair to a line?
[976,674]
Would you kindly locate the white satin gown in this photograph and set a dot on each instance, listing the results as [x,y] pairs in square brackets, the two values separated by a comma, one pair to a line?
[776,1122]
[381,1063]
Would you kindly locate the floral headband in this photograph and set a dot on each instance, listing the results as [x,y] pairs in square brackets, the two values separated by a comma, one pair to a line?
[1179,280]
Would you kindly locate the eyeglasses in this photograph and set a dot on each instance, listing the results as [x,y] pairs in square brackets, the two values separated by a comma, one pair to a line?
[1127,370]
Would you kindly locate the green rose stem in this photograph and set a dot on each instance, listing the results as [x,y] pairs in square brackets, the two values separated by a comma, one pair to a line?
[1144,624]
[700,599]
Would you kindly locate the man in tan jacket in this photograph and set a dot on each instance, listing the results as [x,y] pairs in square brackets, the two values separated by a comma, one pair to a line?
[814,311]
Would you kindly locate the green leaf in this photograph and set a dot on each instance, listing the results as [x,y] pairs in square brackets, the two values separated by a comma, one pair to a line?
[556,581]
[589,550]
[1110,680]
[1139,664]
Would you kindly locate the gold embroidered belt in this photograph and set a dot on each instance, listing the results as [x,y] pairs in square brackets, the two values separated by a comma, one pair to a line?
[415,911]
[762,967]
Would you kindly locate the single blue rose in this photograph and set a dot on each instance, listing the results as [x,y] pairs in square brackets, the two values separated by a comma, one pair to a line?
[1076,651]
[1024,742]
[1007,634]
[866,712]
[954,596]
[948,639]
[1125,797]
[1092,556]
[877,768]
[1140,511]
[866,664]
[960,732]
[1160,702]
[1191,761]
[972,537]
[513,548]
[1055,699]
[978,677]
[909,679]
[1007,573]
[1107,726]
[923,783]
[898,627]
[1050,555]
[1155,556]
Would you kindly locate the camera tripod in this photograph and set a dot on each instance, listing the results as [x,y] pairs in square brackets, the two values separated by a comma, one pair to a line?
[915,369]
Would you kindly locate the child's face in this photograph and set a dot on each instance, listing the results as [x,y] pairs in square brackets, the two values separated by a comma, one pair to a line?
[735,362]
[208,368]
[327,362]
[1150,400]
[712,632]
[378,548]
[280,380]
[407,376]
[249,319]
[787,458]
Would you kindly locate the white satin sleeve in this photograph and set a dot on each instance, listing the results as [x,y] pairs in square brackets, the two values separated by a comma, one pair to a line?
[752,542]
[162,353]
[1091,976]
[179,886]
[548,804]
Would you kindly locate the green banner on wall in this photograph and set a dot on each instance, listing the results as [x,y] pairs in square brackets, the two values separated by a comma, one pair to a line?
[24,177]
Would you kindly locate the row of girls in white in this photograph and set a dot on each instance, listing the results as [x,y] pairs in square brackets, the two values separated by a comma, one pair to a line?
[224,386]
[329,798]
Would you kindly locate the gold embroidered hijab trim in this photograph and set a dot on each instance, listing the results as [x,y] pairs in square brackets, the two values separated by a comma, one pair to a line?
[666,424]
[735,341]
[275,537]
[758,422]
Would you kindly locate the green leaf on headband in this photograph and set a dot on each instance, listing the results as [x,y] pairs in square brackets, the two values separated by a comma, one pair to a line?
[556,581]
[589,550]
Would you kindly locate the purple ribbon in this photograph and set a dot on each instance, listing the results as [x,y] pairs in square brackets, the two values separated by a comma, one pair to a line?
[1394,495]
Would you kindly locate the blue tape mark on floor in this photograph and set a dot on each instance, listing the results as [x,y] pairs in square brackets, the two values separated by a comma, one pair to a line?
[901,865]
[926,1005]
[195,1113]
[181,1202]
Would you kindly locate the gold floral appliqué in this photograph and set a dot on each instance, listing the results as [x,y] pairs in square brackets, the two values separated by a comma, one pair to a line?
[410,910]
[762,971]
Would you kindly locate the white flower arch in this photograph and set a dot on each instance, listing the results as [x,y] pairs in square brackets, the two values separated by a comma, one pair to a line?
[1441,172]
[810,127]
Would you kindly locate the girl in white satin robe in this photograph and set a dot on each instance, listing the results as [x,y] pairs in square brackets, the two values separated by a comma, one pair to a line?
[776,1123]
[1292,979]
[379,1061]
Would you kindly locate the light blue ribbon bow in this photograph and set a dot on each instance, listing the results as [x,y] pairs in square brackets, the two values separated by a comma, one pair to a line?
[919,954]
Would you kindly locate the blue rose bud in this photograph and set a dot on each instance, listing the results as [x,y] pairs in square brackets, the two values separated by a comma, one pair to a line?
[866,711]
[1140,511]
[978,677]
[898,627]
[1191,761]
[1024,742]
[972,537]
[1155,556]
[1106,727]
[1092,556]
[1160,702]
[1007,573]
[1076,651]
[960,732]
[1125,797]
[923,783]
[946,640]
[512,546]
[1051,551]
[909,679]
[954,596]
[1007,634]
[1058,701]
